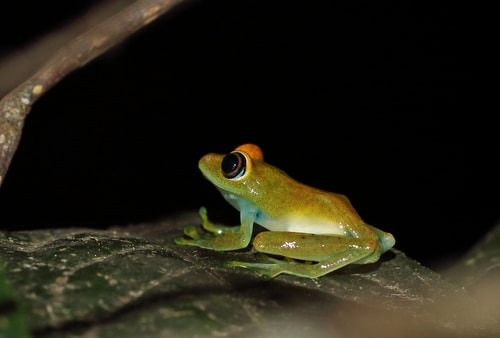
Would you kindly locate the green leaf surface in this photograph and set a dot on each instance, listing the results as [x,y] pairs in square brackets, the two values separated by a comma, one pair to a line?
[133,281]
[12,317]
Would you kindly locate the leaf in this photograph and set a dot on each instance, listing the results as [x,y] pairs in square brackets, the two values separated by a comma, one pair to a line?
[12,317]
[134,281]
[482,258]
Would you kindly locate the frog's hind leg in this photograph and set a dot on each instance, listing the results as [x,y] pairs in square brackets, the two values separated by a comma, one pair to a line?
[330,253]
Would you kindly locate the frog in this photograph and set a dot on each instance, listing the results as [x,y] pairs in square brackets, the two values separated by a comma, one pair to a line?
[310,231]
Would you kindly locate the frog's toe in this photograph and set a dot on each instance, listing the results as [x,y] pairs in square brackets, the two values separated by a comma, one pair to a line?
[203,213]
[233,264]
[266,270]
[279,261]
[268,259]
[190,231]
[182,241]
[187,241]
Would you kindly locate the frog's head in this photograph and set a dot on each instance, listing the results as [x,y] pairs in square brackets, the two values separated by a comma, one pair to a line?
[238,175]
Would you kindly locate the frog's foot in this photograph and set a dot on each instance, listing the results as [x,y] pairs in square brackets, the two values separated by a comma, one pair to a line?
[206,240]
[283,260]
[220,238]
[266,270]
[189,231]
[271,267]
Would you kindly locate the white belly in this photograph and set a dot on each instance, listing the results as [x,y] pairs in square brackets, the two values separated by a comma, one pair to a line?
[304,224]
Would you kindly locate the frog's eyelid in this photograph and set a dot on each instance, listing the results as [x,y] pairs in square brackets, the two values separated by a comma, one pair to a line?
[252,150]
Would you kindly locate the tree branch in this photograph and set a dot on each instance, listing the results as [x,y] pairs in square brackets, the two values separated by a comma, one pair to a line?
[16,105]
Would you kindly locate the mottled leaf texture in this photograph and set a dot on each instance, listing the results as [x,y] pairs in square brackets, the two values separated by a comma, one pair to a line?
[135,282]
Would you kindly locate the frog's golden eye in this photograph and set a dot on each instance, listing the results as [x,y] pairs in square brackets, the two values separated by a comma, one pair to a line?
[234,165]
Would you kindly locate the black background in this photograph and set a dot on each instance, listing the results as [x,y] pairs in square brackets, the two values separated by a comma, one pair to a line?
[380,101]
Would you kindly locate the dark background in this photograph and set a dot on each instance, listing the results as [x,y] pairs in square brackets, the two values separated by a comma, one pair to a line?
[380,101]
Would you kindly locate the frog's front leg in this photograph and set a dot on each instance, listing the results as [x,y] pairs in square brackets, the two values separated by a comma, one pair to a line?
[331,252]
[223,238]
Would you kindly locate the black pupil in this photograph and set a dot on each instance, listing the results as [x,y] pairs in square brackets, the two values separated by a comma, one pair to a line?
[233,164]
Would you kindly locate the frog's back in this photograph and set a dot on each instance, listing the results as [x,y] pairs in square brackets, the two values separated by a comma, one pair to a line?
[309,210]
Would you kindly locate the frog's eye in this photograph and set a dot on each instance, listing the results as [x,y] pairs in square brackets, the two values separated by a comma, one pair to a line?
[234,165]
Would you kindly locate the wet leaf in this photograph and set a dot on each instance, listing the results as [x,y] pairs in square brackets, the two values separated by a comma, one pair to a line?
[134,281]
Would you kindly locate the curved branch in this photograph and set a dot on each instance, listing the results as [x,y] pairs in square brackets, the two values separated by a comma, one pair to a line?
[15,106]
